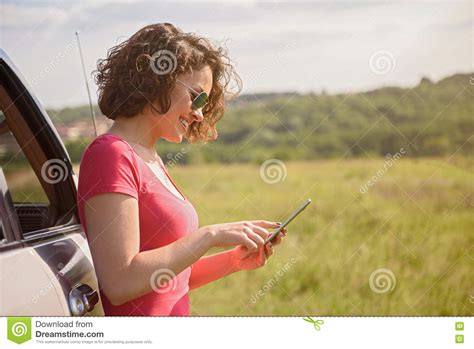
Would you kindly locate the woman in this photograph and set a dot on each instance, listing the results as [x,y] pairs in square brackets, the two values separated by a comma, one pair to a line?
[142,231]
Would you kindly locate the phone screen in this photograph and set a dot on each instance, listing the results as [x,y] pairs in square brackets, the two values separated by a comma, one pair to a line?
[285,223]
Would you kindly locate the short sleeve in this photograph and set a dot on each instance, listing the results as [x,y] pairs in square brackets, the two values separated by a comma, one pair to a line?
[108,166]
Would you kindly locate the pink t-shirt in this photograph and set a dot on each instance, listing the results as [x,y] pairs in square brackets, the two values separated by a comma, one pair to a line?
[109,164]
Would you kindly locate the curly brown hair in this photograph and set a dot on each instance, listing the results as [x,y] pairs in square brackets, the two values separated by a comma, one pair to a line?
[143,70]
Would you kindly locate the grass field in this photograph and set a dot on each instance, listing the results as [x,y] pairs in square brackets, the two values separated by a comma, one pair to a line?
[416,221]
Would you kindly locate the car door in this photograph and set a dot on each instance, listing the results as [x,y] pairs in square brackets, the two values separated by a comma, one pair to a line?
[45,264]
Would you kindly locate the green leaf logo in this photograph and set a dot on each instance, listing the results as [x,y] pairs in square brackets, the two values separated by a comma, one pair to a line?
[316,323]
[19,329]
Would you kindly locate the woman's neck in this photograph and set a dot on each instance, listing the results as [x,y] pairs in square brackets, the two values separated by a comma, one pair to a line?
[133,130]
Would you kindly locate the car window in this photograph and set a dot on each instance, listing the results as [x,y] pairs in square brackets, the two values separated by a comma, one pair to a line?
[28,196]
[22,181]
[2,234]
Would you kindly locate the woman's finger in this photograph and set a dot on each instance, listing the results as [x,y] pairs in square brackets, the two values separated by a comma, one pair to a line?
[268,250]
[266,224]
[278,239]
[264,233]
[262,256]
[259,241]
[249,243]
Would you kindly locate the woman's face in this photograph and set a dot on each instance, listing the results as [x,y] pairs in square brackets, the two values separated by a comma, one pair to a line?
[172,126]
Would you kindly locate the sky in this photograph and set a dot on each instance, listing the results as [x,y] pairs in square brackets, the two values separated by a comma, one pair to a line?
[336,46]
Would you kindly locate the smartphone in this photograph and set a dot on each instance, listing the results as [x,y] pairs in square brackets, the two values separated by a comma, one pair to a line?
[285,223]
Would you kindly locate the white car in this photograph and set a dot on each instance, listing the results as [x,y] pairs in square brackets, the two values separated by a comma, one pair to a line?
[46,267]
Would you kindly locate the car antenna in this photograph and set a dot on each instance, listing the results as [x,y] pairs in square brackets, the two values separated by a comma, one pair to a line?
[87,84]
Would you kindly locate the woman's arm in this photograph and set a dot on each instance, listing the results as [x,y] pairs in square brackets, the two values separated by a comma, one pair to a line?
[125,273]
[211,268]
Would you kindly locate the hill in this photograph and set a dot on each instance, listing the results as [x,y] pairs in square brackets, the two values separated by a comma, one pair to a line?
[430,119]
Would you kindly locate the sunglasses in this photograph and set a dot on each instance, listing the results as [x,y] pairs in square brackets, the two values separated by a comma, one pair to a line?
[200,100]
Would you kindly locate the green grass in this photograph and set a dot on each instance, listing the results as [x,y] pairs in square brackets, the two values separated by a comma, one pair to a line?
[416,220]
[426,240]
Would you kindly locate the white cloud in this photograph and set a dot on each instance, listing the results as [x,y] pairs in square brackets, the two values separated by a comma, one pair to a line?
[19,17]
[278,46]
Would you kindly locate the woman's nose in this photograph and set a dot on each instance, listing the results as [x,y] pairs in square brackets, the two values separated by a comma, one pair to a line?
[197,115]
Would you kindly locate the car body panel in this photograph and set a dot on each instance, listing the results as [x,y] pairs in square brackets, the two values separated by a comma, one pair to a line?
[32,288]
[41,264]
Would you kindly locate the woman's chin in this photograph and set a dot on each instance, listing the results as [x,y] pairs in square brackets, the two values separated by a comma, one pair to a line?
[177,139]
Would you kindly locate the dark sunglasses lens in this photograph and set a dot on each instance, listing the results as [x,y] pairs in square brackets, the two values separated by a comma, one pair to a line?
[200,100]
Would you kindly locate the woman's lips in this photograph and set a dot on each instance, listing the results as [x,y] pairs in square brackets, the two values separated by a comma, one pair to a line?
[184,124]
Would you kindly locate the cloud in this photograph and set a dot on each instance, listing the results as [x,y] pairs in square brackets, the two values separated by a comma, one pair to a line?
[16,17]
[278,46]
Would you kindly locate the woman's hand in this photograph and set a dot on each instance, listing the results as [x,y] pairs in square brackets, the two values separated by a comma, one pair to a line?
[245,260]
[250,234]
